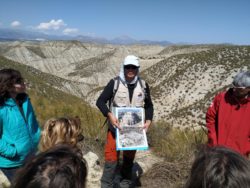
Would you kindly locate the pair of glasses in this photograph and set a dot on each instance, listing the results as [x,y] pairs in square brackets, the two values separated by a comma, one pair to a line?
[130,67]
[240,87]
[19,81]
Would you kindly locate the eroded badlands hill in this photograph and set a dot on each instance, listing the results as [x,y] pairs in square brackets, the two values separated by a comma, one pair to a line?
[183,79]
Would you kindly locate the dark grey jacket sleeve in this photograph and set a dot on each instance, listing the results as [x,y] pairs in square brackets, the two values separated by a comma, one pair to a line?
[148,106]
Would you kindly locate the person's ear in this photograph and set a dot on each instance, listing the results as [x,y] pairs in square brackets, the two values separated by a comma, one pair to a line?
[77,120]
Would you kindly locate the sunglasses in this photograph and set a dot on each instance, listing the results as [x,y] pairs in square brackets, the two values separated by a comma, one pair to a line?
[130,67]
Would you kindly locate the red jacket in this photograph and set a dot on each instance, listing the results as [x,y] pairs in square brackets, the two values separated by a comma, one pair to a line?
[228,122]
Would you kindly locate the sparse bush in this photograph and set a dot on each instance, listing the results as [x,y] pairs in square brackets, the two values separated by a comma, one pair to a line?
[174,144]
[177,146]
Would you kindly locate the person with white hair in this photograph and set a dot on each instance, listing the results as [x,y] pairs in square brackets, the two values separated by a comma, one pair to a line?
[125,90]
[228,117]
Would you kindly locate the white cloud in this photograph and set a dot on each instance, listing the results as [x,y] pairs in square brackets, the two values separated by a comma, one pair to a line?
[70,31]
[15,24]
[52,25]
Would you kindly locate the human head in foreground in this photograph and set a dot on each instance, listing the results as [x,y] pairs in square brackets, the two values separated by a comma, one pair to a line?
[60,131]
[61,166]
[219,167]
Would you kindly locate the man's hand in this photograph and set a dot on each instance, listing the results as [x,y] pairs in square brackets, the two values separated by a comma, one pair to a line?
[146,125]
[113,120]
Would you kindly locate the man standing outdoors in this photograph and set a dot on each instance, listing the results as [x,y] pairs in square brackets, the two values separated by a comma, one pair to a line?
[228,117]
[126,90]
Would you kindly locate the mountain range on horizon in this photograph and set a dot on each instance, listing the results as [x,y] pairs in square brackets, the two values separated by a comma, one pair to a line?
[7,34]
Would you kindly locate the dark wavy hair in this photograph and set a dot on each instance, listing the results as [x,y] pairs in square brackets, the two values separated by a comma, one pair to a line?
[60,166]
[8,77]
[219,167]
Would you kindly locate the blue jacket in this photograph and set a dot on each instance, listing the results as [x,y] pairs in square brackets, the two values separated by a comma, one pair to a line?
[19,134]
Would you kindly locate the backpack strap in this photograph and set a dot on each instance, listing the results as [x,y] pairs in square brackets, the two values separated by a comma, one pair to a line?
[143,86]
[116,85]
[115,88]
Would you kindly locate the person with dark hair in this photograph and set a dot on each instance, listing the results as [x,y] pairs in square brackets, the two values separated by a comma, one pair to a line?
[228,117]
[219,167]
[125,90]
[19,129]
[59,166]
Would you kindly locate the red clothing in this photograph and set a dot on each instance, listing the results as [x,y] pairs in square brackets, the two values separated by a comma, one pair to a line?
[228,122]
[111,154]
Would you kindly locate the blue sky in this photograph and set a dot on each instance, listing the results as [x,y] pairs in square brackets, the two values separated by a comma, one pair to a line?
[191,21]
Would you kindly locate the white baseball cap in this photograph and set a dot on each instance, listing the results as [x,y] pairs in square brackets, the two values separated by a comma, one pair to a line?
[131,60]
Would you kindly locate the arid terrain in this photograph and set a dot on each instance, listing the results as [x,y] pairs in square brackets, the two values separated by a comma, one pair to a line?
[183,79]
[66,77]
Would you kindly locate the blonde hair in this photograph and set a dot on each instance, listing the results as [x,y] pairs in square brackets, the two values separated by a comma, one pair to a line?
[60,131]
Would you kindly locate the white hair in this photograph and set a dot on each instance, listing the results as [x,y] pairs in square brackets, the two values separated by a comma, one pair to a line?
[242,79]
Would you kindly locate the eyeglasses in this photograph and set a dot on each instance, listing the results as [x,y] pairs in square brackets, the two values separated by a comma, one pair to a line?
[130,67]
[19,81]
[239,87]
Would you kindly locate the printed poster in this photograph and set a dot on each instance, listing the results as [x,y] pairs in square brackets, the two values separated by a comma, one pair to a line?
[132,136]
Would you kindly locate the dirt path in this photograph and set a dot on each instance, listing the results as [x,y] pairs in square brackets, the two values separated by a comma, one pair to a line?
[146,159]
[143,162]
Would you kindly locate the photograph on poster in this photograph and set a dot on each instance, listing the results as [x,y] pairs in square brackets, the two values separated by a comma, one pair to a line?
[132,136]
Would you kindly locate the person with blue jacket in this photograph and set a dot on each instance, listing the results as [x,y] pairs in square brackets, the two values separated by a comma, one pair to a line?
[19,129]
